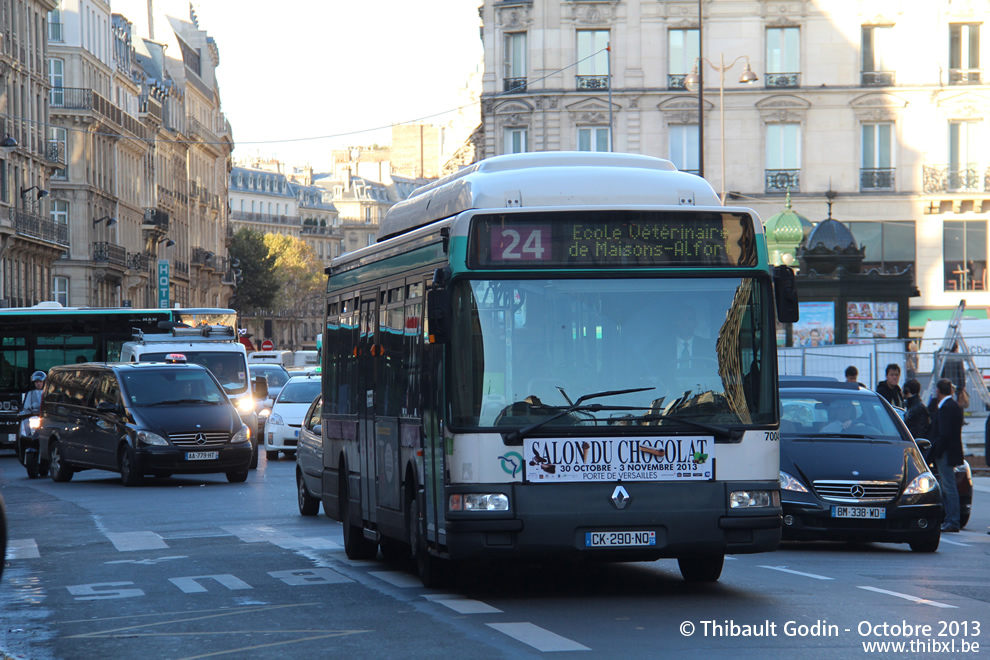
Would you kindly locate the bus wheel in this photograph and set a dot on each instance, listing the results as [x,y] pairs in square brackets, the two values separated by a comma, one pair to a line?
[355,545]
[59,468]
[701,568]
[394,550]
[433,571]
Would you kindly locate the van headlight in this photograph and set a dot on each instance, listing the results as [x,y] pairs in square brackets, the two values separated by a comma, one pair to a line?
[923,483]
[151,439]
[245,404]
[243,435]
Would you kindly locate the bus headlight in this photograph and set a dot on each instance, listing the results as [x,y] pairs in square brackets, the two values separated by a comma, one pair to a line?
[787,482]
[245,404]
[479,502]
[923,483]
[243,435]
[748,499]
[153,439]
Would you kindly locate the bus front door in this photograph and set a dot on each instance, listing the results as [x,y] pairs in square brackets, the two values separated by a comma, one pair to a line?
[367,346]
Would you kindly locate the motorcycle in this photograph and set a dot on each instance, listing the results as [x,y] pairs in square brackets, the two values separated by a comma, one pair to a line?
[27,447]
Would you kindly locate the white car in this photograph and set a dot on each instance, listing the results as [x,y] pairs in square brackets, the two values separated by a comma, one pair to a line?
[288,411]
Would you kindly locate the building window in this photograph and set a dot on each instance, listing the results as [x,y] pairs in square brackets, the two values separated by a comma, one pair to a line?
[964,155]
[4,182]
[56,78]
[783,157]
[964,54]
[252,206]
[683,51]
[683,151]
[60,290]
[890,244]
[367,215]
[592,65]
[964,255]
[60,211]
[877,165]
[784,57]
[514,66]
[593,139]
[58,151]
[878,47]
[515,141]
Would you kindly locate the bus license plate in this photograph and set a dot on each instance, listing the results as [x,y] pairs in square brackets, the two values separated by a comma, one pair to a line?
[619,539]
[867,512]
[202,455]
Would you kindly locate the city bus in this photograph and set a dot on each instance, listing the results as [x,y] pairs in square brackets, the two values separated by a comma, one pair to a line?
[48,334]
[505,373]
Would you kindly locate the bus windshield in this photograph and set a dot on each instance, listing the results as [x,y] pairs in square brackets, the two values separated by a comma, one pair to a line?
[526,350]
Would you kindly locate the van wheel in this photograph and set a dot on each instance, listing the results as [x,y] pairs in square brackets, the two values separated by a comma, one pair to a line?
[58,467]
[237,476]
[701,568]
[253,465]
[130,474]
[355,545]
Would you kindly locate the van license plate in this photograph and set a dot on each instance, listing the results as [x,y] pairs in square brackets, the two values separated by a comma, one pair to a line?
[619,539]
[202,455]
[867,512]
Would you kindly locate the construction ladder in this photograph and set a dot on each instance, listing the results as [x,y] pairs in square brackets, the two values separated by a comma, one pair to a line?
[974,379]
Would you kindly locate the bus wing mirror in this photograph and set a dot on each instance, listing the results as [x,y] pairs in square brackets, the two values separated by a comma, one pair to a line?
[438,314]
[785,294]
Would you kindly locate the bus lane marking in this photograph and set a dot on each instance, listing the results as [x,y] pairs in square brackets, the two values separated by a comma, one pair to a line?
[539,638]
[945,540]
[133,541]
[191,585]
[914,599]
[22,549]
[784,569]
[462,605]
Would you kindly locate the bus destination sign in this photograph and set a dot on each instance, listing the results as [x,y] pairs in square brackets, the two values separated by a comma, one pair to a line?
[617,239]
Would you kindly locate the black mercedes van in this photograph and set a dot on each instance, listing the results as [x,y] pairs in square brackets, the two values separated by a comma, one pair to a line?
[140,418]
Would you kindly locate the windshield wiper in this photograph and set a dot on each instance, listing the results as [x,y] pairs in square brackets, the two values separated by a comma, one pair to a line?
[734,434]
[173,402]
[517,436]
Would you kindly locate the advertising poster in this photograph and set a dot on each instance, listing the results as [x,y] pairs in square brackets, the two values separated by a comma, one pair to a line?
[817,324]
[866,321]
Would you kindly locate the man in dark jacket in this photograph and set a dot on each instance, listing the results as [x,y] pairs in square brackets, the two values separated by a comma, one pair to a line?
[947,450]
[889,389]
[916,416]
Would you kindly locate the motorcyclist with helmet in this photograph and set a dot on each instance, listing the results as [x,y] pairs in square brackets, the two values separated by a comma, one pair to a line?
[27,445]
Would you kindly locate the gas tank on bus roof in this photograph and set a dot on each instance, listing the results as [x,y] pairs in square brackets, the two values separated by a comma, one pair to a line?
[553,178]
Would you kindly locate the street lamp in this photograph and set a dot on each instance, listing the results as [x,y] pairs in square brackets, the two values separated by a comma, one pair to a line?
[110,221]
[693,83]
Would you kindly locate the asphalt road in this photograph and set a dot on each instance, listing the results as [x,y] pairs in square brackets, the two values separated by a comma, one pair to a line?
[195,567]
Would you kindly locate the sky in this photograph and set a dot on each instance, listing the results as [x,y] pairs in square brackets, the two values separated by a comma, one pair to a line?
[292,71]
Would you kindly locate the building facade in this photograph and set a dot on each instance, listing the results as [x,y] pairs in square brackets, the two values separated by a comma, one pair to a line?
[845,106]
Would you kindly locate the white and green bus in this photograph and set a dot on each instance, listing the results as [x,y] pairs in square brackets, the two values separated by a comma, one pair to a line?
[556,355]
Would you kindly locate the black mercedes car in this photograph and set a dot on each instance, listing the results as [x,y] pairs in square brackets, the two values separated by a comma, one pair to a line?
[850,470]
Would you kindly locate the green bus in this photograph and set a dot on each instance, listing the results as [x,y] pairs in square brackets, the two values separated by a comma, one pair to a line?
[555,355]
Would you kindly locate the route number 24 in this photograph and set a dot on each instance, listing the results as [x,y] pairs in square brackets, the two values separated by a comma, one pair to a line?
[520,243]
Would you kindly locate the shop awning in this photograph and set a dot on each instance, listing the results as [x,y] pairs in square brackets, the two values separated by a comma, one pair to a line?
[918,317]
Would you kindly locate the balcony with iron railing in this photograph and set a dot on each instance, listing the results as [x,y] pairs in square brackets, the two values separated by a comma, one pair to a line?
[150,105]
[783,180]
[971,177]
[965,76]
[514,85]
[139,261]
[78,98]
[877,78]
[676,81]
[196,129]
[203,258]
[775,80]
[109,253]
[55,151]
[181,268]
[592,83]
[876,179]
[35,226]
[155,219]
[263,218]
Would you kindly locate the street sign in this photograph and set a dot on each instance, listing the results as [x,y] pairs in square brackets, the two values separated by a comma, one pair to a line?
[268,345]
[163,288]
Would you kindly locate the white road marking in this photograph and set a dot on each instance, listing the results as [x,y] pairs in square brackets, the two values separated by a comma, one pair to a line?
[22,549]
[945,540]
[262,534]
[132,541]
[308,576]
[915,599]
[191,585]
[784,569]
[320,543]
[397,579]
[147,562]
[466,605]
[538,638]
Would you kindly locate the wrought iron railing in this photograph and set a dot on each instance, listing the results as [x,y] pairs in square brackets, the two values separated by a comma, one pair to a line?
[110,253]
[139,261]
[877,78]
[35,226]
[156,218]
[955,178]
[149,105]
[514,85]
[876,179]
[78,98]
[592,82]
[181,268]
[55,151]
[676,81]
[783,180]
[783,80]
[965,76]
